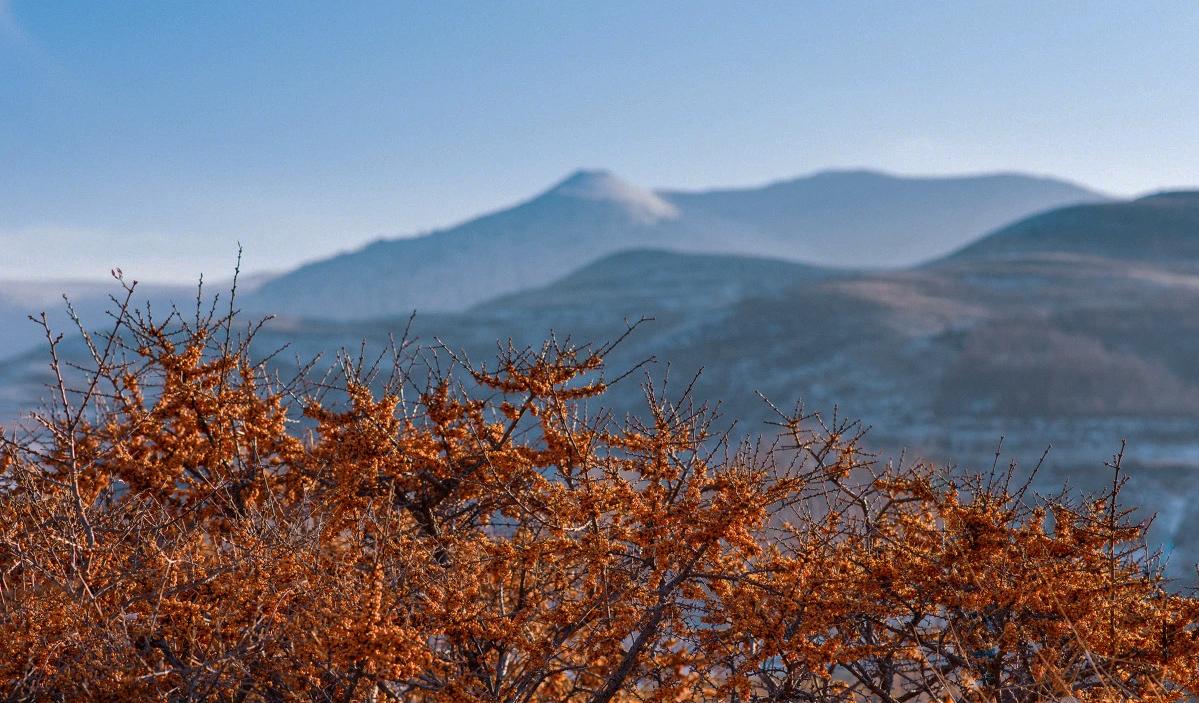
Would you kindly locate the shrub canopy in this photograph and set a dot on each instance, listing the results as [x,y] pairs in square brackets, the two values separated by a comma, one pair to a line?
[182,524]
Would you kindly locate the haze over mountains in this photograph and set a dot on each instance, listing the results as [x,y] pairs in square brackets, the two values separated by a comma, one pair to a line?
[835,218]
[1075,324]
[19,299]
[91,299]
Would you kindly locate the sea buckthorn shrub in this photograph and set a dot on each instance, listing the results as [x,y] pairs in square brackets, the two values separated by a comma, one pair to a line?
[181,522]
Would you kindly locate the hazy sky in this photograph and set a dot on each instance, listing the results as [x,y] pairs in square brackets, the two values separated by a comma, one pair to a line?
[153,135]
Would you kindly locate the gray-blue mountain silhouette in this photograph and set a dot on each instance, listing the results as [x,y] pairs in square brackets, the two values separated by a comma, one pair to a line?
[1163,227]
[849,218]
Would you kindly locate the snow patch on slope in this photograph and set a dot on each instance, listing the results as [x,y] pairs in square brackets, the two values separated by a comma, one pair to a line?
[602,186]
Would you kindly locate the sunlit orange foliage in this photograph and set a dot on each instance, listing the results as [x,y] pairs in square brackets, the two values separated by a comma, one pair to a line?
[186,526]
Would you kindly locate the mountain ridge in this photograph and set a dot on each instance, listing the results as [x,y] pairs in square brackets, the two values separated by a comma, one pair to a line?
[1161,227]
[858,218]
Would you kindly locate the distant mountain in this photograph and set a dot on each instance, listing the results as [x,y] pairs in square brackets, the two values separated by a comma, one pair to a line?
[867,219]
[1160,228]
[849,219]
[586,216]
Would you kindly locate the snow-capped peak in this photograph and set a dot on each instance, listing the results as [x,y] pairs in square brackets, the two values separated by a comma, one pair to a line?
[600,185]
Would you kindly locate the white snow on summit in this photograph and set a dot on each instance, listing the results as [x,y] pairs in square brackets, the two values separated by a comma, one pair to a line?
[599,185]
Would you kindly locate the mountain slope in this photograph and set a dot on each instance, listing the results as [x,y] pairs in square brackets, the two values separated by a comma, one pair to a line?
[845,219]
[1161,228]
[584,217]
[649,281]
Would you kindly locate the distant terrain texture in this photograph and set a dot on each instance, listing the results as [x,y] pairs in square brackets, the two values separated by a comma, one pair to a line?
[947,313]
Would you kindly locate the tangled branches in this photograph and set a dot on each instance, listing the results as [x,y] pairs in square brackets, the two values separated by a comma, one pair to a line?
[182,525]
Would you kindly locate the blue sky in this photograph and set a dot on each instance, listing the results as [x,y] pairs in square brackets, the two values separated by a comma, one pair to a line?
[154,135]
